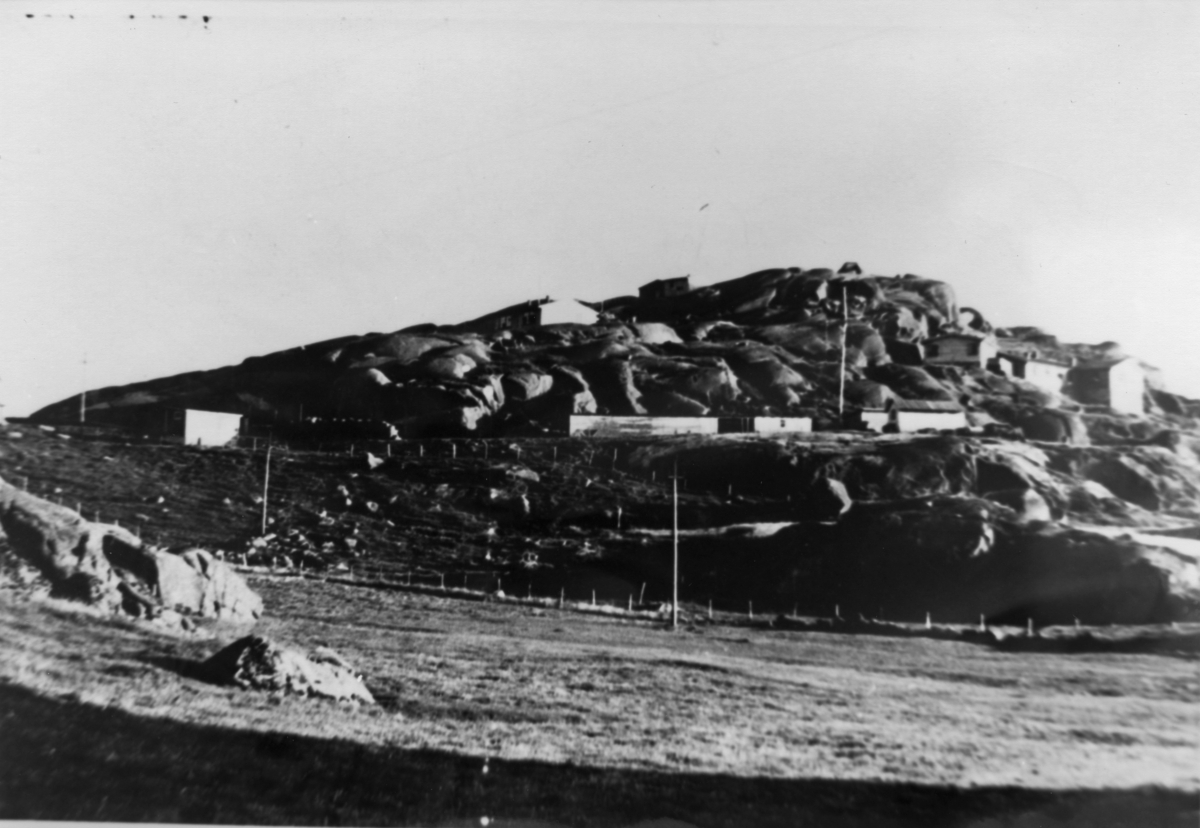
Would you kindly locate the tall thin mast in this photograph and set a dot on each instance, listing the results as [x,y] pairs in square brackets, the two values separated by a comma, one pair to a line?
[675,547]
[842,373]
[83,394]
[266,488]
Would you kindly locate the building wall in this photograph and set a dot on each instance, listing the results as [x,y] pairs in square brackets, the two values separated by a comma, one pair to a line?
[568,311]
[513,321]
[875,420]
[961,351]
[781,425]
[664,287]
[604,426]
[1126,386]
[941,420]
[210,428]
[1046,377]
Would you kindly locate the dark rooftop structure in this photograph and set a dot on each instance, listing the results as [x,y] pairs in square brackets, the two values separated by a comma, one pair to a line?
[661,288]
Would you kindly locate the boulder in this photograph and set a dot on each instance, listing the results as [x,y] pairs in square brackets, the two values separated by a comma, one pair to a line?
[521,386]
[449,366]
[403,346]
[1054,426]
[1027,504]
[910,382]
[656,333]
[109,568]
[611,381]
[868,394]
[195,583]
[826,499]
[257,663]
[710,384]
[672,404]
[766,373]
[904,324]
[1127,478]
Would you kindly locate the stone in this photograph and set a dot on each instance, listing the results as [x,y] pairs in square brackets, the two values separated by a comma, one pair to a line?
[521,386]
[1030,507]
[656,333]
[827,499]
[258,663]
[110,568]
[196,583]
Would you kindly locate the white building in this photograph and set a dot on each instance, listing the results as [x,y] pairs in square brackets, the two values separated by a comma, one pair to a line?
[782,425]
[915,415]
[1118,383]
[597,425]
[210,428]
[1047,374]
[567,311]
[875,419]
[961,349]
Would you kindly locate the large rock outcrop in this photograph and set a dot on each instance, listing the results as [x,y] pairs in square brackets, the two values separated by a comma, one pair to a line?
[110,568]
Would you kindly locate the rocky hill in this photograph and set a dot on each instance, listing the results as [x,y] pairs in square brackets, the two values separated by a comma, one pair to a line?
[767,343]
[1040,510]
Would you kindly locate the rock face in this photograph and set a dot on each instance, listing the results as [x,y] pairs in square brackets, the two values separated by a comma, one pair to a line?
[257,663]
[958,526]
[110,568]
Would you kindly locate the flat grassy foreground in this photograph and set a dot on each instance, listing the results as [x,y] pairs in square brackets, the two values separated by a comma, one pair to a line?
[540,717]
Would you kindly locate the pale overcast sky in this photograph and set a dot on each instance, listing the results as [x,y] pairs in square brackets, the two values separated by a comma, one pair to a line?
[179,195]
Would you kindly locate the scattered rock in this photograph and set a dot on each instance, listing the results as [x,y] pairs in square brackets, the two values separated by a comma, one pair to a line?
[257,663]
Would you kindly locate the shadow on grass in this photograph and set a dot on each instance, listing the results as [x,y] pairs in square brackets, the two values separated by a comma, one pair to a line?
[68,761]
[186,667]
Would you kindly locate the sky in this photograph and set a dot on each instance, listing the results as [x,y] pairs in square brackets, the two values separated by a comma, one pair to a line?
[179,194]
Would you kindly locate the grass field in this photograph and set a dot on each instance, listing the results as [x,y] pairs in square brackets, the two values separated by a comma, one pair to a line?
[582,720]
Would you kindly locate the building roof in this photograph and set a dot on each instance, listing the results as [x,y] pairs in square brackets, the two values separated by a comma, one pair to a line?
[664,281]
[1100,364]
[961,335]
[930,406]
[1045,360]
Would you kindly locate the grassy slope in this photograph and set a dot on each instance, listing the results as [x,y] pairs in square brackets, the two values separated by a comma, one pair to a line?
[587,722]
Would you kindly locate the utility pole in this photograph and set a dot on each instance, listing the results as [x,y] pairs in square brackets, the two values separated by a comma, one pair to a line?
[842,373]
[266,487]
[675,547]
[83,394]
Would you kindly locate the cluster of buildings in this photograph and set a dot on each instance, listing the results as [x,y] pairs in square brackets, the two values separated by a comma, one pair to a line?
[1118,383]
